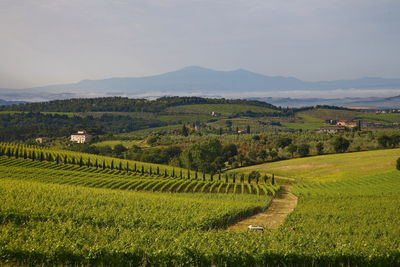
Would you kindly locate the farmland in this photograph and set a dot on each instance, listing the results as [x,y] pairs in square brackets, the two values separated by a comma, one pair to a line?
[165,183]
[349,217]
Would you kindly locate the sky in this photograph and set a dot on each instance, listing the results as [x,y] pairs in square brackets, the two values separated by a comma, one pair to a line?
[46,42]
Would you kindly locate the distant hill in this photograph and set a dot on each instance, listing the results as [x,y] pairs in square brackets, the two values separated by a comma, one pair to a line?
[371,102]
[196,81]
[7,103]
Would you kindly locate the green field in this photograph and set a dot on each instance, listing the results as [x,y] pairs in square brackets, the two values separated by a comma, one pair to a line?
[347,215]
[307,123]
[222,109]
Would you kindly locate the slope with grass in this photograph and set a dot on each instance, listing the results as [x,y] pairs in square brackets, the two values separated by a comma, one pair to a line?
[347,215]
[222,109]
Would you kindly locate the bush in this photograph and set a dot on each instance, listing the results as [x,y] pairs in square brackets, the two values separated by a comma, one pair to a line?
[340,144]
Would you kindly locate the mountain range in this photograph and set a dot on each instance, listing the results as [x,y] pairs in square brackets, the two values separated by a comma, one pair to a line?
[196,81]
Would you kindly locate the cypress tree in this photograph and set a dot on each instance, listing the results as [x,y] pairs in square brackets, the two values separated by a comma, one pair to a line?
[104,164]
[57,159]
[8,152]
[41,156]
[242,178]
[142,170]
[73,161]
[112,164]
[204,176]
[96,164]
[88,162]
[265,178]
[226,178]
[158,170]
[127,166]
[234,178]
[219,176]
[134,168]
[25,154]
[80,161]
[212,176]
[173,172]
[181,174]
[273,179]
[33,155]
[16,153]
[165,173]
[195,175]
[188,175]
[65,159]
[249,179]
[150,171]
[120,166]
[257,180]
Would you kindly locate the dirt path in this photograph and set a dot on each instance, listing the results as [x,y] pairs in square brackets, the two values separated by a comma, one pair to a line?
[282,204]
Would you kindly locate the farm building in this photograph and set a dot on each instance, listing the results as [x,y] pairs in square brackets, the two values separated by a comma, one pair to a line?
[346,123]
[81,137]
[40,140]
[332,129]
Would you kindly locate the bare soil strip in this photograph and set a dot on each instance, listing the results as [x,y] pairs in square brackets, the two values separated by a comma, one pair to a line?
[281,205]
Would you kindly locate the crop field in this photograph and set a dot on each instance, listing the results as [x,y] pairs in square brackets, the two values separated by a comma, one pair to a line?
[347,215]
[49,172]
[307,123]
[125,143]
[223,109]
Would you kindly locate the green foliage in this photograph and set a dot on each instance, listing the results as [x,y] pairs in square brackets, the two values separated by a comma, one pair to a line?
[303,150]
[340,144]
[398,164]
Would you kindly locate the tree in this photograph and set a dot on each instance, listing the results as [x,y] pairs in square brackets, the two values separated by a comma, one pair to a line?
[248,129]
[384,140]
[340,144]
[398,164]
[185,130]
[320,148]
[292,149]
[303,150]
[119,149]
[283,142]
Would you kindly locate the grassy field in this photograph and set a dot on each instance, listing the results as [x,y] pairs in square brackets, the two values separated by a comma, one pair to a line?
[328,168]
[347,215]
[223,109]
[125,143]
[307,123]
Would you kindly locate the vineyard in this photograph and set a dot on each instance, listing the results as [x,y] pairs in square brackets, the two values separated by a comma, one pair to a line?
[23,162]
[56,214]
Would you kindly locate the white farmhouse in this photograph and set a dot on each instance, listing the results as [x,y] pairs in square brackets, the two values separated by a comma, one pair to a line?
[81,137]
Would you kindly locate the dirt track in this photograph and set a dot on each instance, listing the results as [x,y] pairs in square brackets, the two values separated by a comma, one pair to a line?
[282,204]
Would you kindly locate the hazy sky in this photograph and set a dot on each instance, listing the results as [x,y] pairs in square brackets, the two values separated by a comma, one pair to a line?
[60,41]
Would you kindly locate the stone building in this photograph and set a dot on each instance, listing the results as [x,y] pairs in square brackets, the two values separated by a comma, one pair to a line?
[81,137]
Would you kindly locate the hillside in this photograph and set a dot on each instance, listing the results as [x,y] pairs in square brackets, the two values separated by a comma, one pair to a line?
[347,218]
